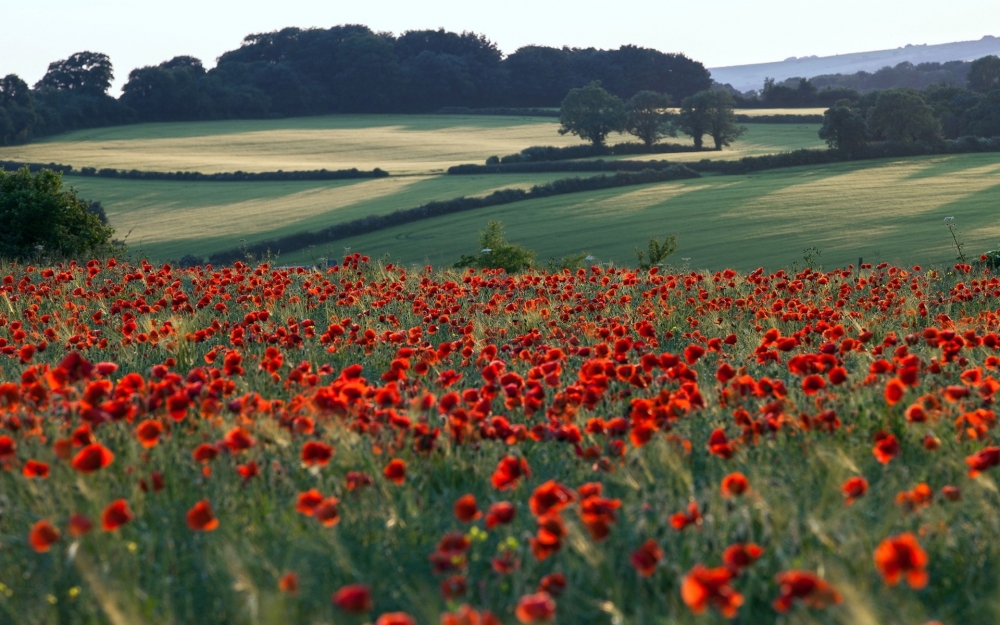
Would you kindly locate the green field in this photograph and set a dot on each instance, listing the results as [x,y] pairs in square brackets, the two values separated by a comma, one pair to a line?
[888,210]
[885,210]
[399,144]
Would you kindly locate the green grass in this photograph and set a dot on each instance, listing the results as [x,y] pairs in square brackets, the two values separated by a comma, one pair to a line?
[888,210]
[167,220]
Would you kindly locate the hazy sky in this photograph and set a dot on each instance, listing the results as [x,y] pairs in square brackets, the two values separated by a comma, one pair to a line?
[716,32]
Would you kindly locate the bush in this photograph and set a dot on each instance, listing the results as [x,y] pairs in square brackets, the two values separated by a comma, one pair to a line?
[40,216]
[558,166]
[195,176]
[496,253]
[656,252]
[540,153]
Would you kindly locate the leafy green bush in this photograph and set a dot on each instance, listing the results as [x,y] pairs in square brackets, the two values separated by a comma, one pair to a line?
[41,216]
[497,253]
[656,252]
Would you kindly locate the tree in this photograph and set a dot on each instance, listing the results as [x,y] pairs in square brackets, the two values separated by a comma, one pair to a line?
[647,117]
[87,73]
[984,74]
[844,128]
[497,253]
[722,124]
[40,215]
[710,112]
[592,114]
[902,115]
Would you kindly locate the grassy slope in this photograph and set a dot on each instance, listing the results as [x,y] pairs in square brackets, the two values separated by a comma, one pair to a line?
[891,210]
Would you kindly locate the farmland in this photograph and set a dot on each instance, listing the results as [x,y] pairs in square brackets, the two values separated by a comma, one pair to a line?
[252,445]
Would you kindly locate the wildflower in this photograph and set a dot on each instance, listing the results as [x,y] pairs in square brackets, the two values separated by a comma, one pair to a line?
[353,598]
[42,536]
[735,485]
[703,587]
[308,502]
[238,439]
[951,493]
[466,510]
[200,517]
[500,514]
[536,608]
[115,515]
[553,583]
[327,512]
[356,480]
[35,469]
[315,453]
[901,555]
[509,470]
[289,583]
[680,520]
[739,556]
[148,432]
[983,460]
[79,525]
[395,618]
[92,457]
[395,471]
[550,497]
[886,447]
[854,488]
[806,587]
[646,557]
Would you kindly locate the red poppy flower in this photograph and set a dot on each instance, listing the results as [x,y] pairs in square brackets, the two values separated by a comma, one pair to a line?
[452,587]
[548,538]
[92,457]
[289,583]
[901,555]
[8,448]
[553,583]
[466,509]
[353,598]
[42,536]
[315,453]
[327,512]
[806,587]
[500,513]
[646,557]
[719,445]
[35,469]
[200,517]
[703,587]
[115,515]
[79,525]
[356,479]
[550,497]
[238,439]
[148,432]
[509,470]
[505,563]
[308,502]
[205,453]
[735,484]
[886,447]
[894,391]
[813,384]
[920,497]
[739,556]
[983,460]
[466,615]
[395,618]
[536,608]
[952,493]
[680,520]
[854,488]
[395,471]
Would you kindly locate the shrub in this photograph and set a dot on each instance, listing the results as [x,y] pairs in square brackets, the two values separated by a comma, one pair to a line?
[656,251]
[496,253]
[39,215]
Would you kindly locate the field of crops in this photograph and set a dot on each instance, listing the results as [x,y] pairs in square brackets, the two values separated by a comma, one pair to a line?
[371,444]
[878,210]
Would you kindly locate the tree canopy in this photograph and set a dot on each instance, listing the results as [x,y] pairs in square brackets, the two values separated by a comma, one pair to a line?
[41,216]
[844,128]
[710,112]
[648,119]
[902,115]
[592,114]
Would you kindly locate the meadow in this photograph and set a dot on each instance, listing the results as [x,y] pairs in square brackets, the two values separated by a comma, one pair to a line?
[251,445]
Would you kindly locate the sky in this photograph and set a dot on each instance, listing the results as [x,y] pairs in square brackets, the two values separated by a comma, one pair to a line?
[135,33]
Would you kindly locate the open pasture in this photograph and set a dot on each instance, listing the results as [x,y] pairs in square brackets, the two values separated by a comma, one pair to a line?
[889,210]
[399,144]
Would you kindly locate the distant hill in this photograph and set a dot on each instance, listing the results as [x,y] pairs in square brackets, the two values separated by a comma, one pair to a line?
[747,77]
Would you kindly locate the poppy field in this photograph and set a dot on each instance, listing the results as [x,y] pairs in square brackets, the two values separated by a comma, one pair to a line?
[379,444]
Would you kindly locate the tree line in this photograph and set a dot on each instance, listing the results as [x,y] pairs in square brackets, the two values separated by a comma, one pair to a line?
[344,69]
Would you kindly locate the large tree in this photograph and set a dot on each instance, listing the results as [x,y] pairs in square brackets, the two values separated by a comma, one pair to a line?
[984,74]
[86,73]
[592,114]
[710,112]
[41,216]
[648,118]
[903,115]
[844,128]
